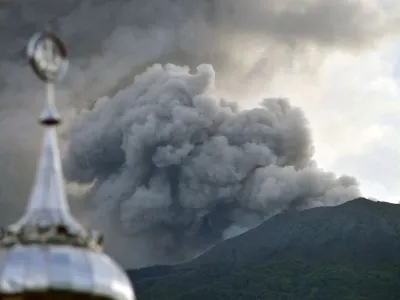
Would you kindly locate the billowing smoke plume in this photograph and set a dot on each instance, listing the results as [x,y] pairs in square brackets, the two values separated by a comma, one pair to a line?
[109,42]
[166,156]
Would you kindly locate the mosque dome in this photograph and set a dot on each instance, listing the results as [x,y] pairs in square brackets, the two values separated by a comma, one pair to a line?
[48,253]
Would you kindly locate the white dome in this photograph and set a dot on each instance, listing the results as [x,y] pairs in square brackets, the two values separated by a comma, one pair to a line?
[43,268]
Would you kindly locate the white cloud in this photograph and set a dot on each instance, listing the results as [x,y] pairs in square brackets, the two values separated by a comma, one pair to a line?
[354,112]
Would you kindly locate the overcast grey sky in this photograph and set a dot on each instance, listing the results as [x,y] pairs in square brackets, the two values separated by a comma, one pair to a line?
[337,60]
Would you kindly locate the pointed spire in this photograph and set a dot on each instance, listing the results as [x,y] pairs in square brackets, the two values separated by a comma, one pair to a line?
[47,203]
[48,191]
[47,210]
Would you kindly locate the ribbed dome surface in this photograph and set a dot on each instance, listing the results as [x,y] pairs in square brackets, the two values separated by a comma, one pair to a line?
[42,268]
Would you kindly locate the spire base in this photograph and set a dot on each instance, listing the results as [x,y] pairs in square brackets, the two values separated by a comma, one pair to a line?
[53,234]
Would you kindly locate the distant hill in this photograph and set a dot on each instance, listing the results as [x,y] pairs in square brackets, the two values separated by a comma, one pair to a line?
[326,248]
[360,230]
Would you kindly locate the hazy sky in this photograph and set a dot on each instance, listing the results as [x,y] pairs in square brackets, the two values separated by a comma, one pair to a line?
[352,101]
[353,106]
[259,48]
[354,111]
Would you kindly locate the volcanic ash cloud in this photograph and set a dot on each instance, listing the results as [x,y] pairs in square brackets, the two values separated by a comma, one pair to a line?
[166,158]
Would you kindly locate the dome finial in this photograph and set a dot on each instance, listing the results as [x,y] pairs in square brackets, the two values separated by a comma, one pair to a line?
[47,253]
[48,59]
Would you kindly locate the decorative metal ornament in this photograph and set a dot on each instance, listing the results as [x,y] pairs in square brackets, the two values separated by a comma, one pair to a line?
[47,56]
[47,253]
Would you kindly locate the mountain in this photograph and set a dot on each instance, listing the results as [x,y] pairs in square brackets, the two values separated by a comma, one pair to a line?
[350,250]
[342,232]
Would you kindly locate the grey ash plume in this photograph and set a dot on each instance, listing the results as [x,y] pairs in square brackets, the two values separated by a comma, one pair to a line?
[167,158]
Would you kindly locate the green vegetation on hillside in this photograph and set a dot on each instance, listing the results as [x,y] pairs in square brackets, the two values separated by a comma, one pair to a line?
[288,280]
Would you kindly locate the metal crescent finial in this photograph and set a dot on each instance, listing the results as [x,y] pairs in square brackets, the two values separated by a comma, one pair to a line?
[47,57]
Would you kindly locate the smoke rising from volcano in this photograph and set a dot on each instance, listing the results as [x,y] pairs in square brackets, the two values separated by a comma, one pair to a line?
[247,43]
[280,35]
[167,156]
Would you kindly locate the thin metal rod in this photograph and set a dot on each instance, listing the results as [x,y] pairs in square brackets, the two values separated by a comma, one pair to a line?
[50,99]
